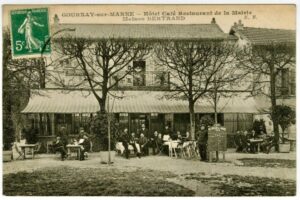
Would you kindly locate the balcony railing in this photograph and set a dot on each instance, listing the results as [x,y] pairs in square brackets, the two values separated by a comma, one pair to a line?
[153,80]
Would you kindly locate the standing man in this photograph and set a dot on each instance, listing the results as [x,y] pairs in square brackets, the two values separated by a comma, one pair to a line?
[153,142]
[202,142]
[144,131]
[63,135]
[86,146]
[167,131]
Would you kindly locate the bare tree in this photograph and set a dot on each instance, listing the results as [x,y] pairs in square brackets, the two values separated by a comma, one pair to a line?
[103,62]
[266,62]
[193,67]
[229,80]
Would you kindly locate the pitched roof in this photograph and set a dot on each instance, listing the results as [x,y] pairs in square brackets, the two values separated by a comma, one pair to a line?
[265,35]
[146,31]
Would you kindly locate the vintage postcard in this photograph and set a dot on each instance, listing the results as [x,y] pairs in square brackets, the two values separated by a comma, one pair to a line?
[149,100]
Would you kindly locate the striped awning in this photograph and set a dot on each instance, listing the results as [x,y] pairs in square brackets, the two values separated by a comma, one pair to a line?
[63,101]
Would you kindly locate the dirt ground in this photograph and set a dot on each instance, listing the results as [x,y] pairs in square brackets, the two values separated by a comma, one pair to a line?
[233,166]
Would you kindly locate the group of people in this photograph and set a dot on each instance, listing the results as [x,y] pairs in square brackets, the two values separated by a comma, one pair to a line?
[144,141]
[246,141]
[62,141]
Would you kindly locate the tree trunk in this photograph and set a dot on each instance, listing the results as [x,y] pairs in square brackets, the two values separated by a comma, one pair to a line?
[273,103]
[215,108]
[102,104]
[192,119]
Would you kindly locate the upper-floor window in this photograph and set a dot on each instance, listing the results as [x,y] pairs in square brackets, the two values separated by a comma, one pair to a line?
[288,82]
[139,73]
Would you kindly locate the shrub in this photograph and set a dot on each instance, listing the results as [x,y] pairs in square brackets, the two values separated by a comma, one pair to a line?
[284,115]
[100,130]
[258,126]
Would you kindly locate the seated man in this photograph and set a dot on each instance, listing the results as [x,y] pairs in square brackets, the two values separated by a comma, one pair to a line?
[134,143]
[238,142]
[253,146]
[143,142]
[268,143]
[86,145]
[125,139]
[175,136]
[159,141]
[60,147]
[153,142]
[244,142]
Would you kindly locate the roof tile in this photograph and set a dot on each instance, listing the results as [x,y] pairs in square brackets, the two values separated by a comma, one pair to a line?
[146,31]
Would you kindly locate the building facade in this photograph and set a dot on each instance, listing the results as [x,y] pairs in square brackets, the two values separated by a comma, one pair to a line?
[141,93]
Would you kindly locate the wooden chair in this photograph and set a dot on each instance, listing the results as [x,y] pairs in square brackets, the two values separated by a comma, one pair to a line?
[173,145]
[49,146]
[37,148]
[17,152]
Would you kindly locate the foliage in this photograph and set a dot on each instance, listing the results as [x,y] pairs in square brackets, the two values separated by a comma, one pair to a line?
[8,132]
[258,126]
[284,116]
[207,120]
[100,130]
[31,136]
[19,75]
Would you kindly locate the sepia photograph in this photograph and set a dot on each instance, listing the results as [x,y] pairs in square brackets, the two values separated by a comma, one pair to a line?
[149,100]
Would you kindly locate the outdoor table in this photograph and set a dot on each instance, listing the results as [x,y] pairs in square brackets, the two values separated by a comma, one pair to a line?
[31,148]
[77,148]
[256,141]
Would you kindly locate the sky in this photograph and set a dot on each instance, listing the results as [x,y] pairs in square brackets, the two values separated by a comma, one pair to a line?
[263,16]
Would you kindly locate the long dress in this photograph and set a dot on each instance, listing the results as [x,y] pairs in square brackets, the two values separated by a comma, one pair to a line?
[31,41]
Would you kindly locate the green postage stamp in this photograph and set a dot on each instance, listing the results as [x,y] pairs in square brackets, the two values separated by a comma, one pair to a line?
[30,32]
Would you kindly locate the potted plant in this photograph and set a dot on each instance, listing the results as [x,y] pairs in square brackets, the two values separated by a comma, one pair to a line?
[284,116]
[101,129]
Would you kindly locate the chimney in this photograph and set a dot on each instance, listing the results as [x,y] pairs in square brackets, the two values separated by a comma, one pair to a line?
[213,21]
[238,26]
[56,19]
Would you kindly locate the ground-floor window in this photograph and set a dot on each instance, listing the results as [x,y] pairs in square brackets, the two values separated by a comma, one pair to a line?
[237,121]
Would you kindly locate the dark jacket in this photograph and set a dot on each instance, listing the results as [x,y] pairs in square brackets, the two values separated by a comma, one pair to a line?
[143,140]
[86,145]
[167,132]
[125,137]
[202,137]
[58,144]
[145,132]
